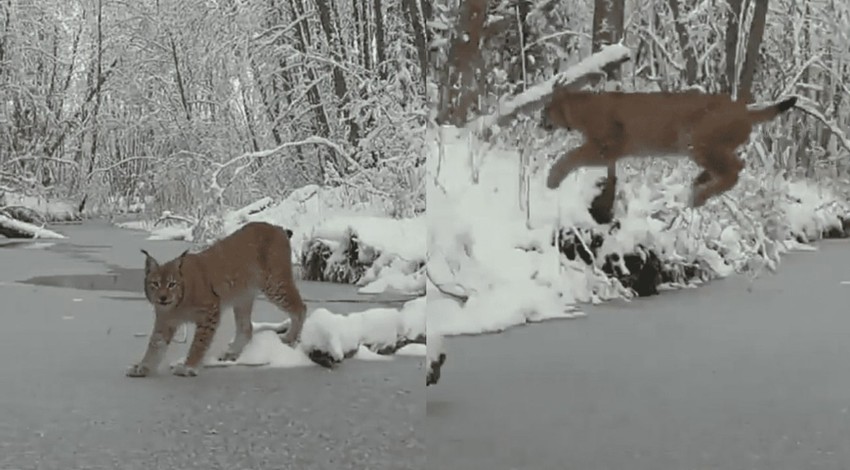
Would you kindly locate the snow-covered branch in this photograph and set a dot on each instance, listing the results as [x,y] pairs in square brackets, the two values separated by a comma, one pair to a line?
[534,97]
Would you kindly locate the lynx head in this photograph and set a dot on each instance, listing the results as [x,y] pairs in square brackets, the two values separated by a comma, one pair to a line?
[164,283]
[556,113]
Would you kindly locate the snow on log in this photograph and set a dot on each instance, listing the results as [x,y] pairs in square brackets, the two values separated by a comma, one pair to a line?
[242,216]
[329,338]
[36,209]
[534,97]
[12,228]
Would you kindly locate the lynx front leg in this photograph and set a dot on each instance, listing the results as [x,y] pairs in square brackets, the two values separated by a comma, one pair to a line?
[159,340]
[204,333]
[587,154]
[244,330]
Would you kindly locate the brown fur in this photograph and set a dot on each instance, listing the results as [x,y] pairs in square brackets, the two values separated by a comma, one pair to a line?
[707,128]
[195,287]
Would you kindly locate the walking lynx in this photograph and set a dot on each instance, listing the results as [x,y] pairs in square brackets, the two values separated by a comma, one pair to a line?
[195,287]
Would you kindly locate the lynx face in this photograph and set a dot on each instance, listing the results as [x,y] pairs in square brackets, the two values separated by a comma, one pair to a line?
[163,284]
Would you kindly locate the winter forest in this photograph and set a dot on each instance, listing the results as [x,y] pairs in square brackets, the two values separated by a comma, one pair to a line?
[194,107]
[401,145]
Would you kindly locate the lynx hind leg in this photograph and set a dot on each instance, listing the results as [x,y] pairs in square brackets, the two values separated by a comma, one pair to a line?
[282,291]
[244,329]
[588,154]
[724,167]
[278,284]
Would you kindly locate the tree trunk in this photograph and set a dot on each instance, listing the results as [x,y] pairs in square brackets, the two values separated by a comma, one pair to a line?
[417,23]
[380,45]
[684,43]
[179,77]
[610,13]
[732,28]
[313,95]
[340,88]
[745,87]
[459,89]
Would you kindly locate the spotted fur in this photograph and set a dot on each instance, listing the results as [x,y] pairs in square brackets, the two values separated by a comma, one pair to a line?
[195,287]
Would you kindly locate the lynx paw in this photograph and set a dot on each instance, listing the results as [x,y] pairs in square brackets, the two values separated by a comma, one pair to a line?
[182,370]
[289,341]
[138,370]
[552,181]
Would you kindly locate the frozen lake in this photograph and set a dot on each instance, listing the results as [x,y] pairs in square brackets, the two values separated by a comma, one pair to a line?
[709,378]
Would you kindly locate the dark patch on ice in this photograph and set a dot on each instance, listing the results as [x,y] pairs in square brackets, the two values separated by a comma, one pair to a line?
[15,243]
[126,280]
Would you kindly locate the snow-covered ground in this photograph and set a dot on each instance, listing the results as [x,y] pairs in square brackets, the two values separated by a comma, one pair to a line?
[491,242]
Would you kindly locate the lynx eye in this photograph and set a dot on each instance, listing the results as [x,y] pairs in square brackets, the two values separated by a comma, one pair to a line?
[171,284]
[155,284]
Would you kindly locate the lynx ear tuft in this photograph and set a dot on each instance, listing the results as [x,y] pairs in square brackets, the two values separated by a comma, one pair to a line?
[181,258]
[150,262]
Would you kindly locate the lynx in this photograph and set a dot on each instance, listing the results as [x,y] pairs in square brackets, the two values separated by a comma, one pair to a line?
[706,127]
[195,287]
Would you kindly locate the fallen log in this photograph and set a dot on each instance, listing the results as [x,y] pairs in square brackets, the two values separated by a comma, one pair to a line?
[12,228]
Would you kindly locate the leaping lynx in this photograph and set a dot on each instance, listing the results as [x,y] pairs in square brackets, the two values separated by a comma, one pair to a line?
[195,287]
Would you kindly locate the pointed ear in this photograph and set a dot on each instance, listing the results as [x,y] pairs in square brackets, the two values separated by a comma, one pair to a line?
[180,258]
[150,262]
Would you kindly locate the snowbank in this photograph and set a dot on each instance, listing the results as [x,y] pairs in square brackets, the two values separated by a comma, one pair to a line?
[328,338]
[376,253]
[35,209]
[495,245]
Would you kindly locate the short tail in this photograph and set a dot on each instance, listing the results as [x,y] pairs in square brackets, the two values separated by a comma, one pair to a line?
[770,112]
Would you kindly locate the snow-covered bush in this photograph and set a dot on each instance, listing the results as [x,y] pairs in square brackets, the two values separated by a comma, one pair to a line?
[506,250]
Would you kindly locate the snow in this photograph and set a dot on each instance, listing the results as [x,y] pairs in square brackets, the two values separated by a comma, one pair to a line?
[434,346]
[811,216]
[171,232]
[49,209]
[400,242]
[339,335]
[413,349]
[266,349]
[492,264]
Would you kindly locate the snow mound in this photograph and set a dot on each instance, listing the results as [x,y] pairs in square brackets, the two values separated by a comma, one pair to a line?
[331,338]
